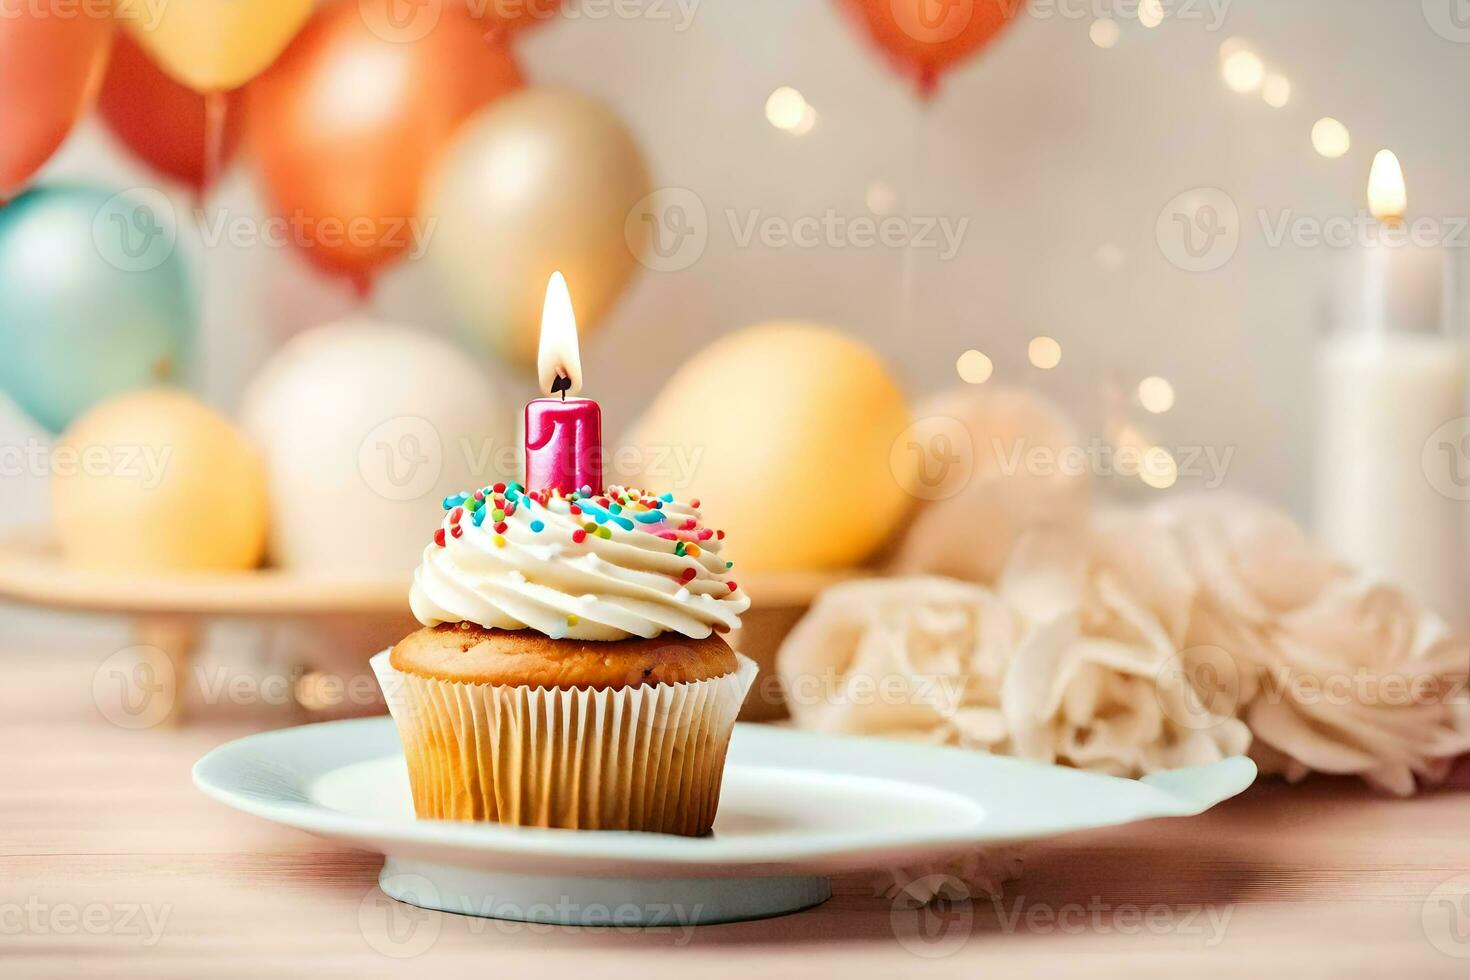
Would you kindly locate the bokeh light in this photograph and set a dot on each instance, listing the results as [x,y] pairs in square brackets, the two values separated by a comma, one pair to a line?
[1155,394]
[1104,32]
[1276,90]
[1044,352]
[974,367]
[1330,138]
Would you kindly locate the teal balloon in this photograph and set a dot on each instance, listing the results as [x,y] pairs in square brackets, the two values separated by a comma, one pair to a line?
[94,298]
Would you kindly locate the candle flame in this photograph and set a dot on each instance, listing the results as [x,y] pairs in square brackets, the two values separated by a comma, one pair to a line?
[1387,198]
[558,356]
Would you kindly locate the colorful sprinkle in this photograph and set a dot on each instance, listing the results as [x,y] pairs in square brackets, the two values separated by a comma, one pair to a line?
[732,586]
[499,541]
[499,488]
[439,537]
[501,527]
[689,574]
[579,535]
[455,515]
[604,532]
[456,530]
[537,527]
[572,619]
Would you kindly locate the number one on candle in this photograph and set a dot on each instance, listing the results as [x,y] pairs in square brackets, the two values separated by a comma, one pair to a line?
[563,435]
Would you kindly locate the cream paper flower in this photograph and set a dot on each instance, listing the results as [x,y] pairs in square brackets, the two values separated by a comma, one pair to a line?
[1364,681]
[1068,662]
[1332,673]
[919,658]
[1098,683]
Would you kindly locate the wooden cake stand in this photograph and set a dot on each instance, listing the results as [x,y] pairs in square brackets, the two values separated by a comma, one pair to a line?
[169,609]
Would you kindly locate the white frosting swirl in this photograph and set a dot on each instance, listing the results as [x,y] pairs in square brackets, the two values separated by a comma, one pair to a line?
[659,571]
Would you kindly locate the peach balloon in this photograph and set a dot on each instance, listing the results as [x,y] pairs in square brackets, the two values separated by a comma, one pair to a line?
[50,68]
[783,431]
[543,180]
[153,480]
[922,39]
[347,122]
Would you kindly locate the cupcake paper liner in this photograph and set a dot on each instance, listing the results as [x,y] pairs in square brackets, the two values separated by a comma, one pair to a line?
[639,758]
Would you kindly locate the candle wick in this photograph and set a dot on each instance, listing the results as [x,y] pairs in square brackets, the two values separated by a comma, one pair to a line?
[561,384]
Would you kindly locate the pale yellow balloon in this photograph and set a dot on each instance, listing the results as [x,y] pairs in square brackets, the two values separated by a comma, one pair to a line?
[153,480]
[216,45]
[541,180]
[783,432]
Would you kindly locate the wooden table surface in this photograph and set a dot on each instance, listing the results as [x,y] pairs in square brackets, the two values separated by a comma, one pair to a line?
[111,862]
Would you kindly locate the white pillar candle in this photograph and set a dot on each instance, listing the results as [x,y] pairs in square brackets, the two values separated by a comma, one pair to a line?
[1390,377]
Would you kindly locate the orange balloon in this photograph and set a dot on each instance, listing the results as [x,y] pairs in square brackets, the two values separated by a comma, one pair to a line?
[925,38]
[50,67]
[162,122]
[346,123]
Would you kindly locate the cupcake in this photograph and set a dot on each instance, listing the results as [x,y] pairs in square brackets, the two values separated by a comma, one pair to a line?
[569,672]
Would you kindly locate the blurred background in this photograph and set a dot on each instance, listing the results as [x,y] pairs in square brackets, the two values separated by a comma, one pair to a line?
[1058,153]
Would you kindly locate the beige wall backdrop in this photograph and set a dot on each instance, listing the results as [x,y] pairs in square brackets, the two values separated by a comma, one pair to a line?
[1061,155]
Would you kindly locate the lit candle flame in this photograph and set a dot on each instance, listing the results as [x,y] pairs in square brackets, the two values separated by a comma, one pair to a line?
[558,356]
[1387,198]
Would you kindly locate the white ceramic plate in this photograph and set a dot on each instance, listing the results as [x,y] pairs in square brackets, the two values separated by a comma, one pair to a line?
[795,808]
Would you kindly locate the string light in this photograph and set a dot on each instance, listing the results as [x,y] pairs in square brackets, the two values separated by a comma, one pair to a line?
[1330,138]
[881,198]
[805,123]
[1044,352]
[786,108]
[974,367]
[1243,71]
[1155,394]
[1158,469]
[1104,32]
[1276,90]
[1231,46]
[1150,13]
